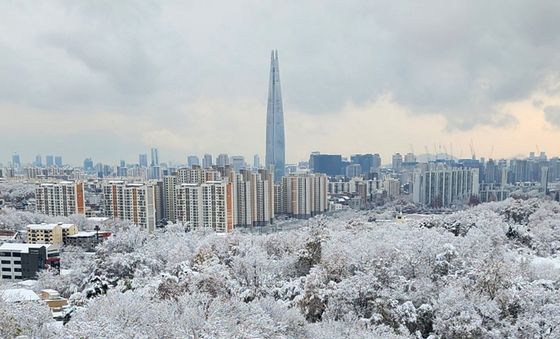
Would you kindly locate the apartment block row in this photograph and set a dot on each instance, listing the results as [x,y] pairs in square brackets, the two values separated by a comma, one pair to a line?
[196,197]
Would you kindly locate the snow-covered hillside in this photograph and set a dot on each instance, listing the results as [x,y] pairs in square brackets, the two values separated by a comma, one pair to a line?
[489,271]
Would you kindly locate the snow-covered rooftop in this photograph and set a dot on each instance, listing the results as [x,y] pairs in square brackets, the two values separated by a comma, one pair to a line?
[100,219]
[22,248]
[83,234]
[48,227]
[18,294]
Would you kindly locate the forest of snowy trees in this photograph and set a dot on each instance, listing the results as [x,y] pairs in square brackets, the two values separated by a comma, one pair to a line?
[490,271]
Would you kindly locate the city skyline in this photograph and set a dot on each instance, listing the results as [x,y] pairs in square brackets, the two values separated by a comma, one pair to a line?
[357,84]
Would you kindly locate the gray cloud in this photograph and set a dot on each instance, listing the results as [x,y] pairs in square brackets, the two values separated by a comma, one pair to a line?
[552,115]
[151,59]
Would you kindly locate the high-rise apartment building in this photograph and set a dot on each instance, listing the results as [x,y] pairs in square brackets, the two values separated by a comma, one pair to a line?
[60,199]
[353,170]
[392,187]
[169,198]
[130,201]
[253,197]
[256,162]
[207,205]
[275,142]
[441,185]
[304,195]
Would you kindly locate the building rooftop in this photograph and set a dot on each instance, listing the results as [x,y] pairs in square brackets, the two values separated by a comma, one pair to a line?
[99,219]
[7,235]
[18,294]
[22,248]
[47,227]
[83,234]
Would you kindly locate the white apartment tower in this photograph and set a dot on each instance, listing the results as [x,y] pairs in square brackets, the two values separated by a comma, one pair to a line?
[60,199]
[206,205]
[169,183]
[253,197]
[130,201]
[440,185]
[304,195]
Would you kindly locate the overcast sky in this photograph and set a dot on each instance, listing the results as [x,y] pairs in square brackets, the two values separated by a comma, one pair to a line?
[110,79]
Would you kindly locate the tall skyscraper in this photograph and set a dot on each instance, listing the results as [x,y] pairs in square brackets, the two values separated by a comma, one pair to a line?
[222,160]
[207,161]
[397,161]
[192,160]
[143,160]
[88,165]
[58,160]
[238,162]
[50,160]
[256,161]
[275,143]
[155,157]
[16,162]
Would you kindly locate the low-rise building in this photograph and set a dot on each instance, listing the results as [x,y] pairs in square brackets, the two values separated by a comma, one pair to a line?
[87,240]
[24,261]
[53,299]
[50,233]
[8,236]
